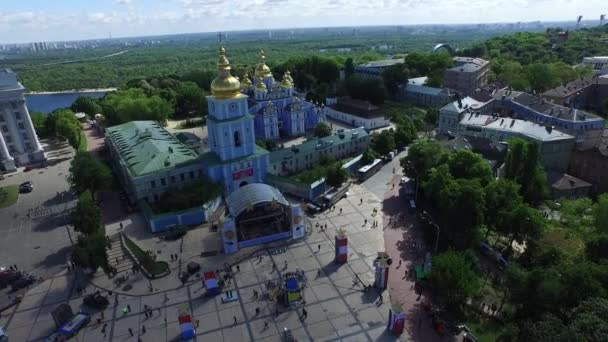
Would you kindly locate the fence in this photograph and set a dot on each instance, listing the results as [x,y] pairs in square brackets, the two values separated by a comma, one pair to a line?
[192,216]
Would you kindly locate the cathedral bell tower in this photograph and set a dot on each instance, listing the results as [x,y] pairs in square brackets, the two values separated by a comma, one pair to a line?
[231,129]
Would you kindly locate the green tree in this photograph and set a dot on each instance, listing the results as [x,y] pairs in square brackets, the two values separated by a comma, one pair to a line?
[438,179]
[597,248]
[322,130]
[431,116]
[69,130]
[90,251]
[541,77]
[190,100]
[349,67]
[462,205]
[423,155]
[521,223]
[384,142]
[88,173]
[405,132]
[394,76]
[39,120]
[523,167]
[369,156]
[133,104]
[467,164]
[86,217]
[590,319]
[367,89]
[452,276]
[502,196]
[336,175]
[600,213]
[87,105]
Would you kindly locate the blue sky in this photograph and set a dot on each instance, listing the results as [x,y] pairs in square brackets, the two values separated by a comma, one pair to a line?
[52,20]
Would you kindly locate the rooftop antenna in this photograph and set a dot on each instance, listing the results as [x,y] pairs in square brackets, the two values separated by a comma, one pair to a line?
[602,17]
[578,21]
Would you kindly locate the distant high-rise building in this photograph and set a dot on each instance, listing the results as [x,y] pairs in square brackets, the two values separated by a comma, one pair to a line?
[19,144]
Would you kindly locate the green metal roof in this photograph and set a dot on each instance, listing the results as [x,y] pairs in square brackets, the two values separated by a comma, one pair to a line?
[212,159]
[318,143]
[146,147]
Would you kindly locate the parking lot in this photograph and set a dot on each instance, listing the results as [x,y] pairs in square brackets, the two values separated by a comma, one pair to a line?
[33,230]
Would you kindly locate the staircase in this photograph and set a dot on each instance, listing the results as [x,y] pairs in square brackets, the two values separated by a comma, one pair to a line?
[118,258]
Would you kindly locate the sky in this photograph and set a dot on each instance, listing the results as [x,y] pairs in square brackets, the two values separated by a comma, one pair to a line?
[57,20]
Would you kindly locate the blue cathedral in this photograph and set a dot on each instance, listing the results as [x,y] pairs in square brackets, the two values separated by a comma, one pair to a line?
[276,108]
[241,112]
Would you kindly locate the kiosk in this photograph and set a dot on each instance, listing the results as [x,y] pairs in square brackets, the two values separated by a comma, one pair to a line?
[341,246]
[381,265]
[210,282]
[396,320]
[185,323]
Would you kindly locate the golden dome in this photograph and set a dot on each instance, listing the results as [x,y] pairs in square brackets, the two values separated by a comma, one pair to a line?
[260,84]
[286,82]
[288,76]
[246,83]
[262,70]
[224,86]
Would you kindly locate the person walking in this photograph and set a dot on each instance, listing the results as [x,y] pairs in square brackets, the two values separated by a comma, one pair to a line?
[143,329]
[318,248]
[131,332]
[304,313]
[234,318]
[265,325]
[238,268]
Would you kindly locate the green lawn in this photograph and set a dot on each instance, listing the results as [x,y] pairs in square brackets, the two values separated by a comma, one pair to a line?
[82,144]
[8,195]
[153,267]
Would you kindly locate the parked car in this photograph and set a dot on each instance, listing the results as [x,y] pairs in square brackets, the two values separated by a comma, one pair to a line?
[193,267]
[175,234]
[26,187]
[24,282]
[9,277]
[96,301]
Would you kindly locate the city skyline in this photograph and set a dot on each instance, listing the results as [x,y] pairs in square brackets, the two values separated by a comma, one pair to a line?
[67,20]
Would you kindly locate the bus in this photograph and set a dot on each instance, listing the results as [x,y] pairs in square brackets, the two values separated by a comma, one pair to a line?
[332,197]
[369,170]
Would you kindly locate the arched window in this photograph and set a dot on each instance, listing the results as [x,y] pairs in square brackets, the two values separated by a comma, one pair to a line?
[237,138]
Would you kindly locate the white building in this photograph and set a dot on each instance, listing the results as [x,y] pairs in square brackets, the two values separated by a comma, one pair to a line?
[451,114]
[599,64]
[19,144]
[356,113]
[554,147]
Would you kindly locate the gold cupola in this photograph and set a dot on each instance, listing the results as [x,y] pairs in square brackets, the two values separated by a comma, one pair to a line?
[260,86]
[224,86]
[262,70]
[246,83]
[286,82]
[288,76]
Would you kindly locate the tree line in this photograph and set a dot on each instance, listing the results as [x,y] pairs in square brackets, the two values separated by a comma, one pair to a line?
[553,294]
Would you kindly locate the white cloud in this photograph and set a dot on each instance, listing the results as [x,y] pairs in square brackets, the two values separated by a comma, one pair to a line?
[129,17]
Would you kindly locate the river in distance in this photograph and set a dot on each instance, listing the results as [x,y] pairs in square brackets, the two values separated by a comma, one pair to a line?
[48,102]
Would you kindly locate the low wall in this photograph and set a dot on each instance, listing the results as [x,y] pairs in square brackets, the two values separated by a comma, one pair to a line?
[189,217]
